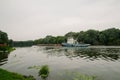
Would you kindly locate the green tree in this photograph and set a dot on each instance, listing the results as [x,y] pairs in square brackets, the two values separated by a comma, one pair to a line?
[91,37]
[10,42]
[60,39]
[72,34]
[3,37]
[106,37]
[110,36]
[80,38]
[22,43]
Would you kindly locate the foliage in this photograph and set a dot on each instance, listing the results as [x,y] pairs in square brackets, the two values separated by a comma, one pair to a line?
[75,75]
[44,71]
[106,37]
[3,48]
[3,37]
[34,67]
[6,48]
[4,43]
[50,40]
[79,76]
[22,43]
[72,34]
[110,37]
[91,37]
[10,42]
[5,75]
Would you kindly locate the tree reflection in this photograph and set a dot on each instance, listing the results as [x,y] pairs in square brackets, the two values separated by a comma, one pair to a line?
[98,53]
[87,53]
[3,58]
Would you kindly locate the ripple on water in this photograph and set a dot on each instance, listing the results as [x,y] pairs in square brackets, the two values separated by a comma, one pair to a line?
[101,61]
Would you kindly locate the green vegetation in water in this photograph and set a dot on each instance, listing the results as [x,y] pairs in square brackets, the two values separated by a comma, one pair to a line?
[79,76]
[44,71]
[34,67]
[68,75]
[5,75]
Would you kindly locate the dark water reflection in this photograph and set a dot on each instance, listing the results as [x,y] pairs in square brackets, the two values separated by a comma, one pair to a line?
[3,58]
[108,54]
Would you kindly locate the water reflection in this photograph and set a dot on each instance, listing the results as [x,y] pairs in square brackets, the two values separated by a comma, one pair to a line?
[3,58]
[92,54]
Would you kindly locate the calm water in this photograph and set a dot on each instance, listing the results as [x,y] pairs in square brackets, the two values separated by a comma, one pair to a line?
[101,61]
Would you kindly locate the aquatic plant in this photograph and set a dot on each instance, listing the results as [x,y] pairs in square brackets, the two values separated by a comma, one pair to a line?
[44,71]
[75,75]
[79,76]
[34,67]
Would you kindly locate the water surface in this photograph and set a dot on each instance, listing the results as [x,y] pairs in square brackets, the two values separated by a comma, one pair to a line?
[100,61]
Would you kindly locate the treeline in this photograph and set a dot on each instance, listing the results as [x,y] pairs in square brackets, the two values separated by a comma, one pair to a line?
[22,43]
[5,42]
[12,43]
[94,37]
[51,40]
[3,38]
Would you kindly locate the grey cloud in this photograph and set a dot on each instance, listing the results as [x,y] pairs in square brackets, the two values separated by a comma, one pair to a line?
[31,19]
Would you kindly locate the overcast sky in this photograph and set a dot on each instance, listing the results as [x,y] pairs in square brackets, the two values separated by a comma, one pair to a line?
[33,19]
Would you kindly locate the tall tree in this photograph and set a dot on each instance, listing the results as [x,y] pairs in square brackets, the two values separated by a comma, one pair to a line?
[110,36]
[91,37]
[3,38]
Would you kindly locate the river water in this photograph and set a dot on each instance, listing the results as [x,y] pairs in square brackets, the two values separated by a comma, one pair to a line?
[102,62]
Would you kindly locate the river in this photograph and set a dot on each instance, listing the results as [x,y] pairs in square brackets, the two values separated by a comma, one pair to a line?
[103,62]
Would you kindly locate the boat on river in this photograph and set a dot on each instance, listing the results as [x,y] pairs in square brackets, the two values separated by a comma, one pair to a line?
[73,43]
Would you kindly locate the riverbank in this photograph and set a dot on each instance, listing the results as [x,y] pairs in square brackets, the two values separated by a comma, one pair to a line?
[49,45]
[5,75]
[6,49]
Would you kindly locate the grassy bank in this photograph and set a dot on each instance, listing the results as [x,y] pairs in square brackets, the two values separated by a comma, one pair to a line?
[5,75]
[6,49]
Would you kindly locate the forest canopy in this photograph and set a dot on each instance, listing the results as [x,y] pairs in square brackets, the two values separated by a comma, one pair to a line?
[3,38]
[94,37]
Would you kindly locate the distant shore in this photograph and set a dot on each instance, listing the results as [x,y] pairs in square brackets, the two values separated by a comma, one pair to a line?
[49,45]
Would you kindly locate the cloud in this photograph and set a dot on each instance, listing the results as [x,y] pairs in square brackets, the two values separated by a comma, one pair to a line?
[31,19]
